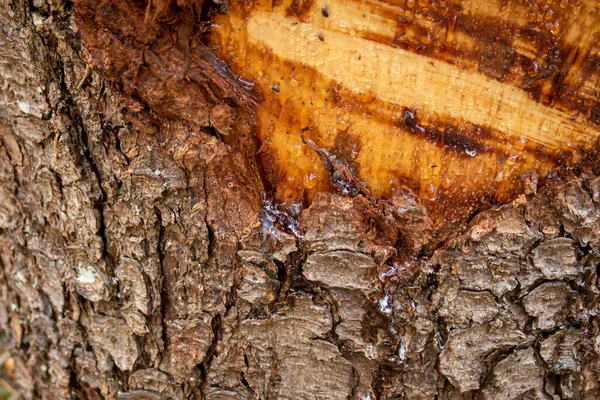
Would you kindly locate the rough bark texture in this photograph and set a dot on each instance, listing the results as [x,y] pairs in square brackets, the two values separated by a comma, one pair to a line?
[140,260]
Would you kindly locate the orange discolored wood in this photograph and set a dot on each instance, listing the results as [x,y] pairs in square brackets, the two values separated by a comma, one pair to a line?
[454,99]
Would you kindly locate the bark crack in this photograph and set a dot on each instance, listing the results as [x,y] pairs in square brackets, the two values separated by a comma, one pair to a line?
[163,292]
[204,366]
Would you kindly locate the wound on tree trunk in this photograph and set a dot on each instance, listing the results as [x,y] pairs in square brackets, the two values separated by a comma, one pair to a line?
[300,199]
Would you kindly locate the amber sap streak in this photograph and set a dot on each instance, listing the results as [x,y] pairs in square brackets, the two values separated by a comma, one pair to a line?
[445,97]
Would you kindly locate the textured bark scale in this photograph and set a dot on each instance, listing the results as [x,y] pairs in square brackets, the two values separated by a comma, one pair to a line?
[145,253]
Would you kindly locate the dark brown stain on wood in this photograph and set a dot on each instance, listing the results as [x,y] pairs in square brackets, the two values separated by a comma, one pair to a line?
[497,55]
[527,47]
[176,74]
[299,9]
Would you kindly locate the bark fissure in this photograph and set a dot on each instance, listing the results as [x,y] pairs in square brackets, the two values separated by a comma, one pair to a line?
[161,255]
[205,364]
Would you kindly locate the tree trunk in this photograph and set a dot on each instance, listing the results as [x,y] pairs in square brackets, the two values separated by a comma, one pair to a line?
[152,249]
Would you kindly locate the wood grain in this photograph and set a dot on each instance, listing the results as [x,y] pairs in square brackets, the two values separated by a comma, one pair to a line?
[455,99]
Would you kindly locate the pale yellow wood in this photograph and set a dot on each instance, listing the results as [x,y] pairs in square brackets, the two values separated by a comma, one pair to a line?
[352,77]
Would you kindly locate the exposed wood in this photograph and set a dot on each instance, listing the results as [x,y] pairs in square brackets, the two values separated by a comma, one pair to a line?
[455,99]
[140,257]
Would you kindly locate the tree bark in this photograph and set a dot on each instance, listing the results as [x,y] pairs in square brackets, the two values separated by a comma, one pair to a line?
[141,258]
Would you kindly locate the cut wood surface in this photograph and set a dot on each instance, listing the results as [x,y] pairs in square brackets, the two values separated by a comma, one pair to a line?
[145,252]
[455,99]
